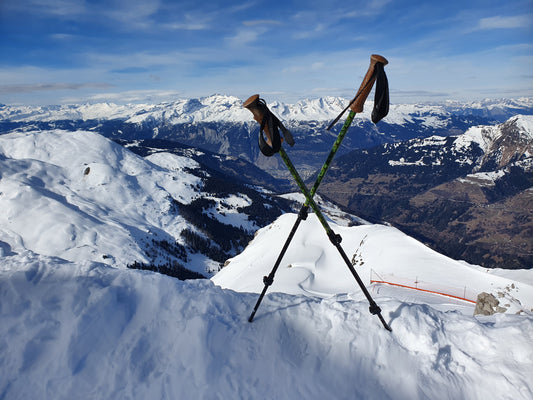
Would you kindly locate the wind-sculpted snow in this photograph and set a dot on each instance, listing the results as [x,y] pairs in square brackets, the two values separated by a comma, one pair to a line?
[88,331]
[312,266]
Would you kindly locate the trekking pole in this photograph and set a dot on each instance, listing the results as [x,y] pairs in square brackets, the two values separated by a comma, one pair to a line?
[334,238]
[375,71]
[270,125]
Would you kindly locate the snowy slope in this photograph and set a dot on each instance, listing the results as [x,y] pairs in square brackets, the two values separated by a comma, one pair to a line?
[312,266]
[485,136]
[88,331]
[82,197]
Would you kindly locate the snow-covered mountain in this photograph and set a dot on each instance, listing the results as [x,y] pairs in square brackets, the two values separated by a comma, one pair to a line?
[80,196]
[220,124]
[77,207]
[469,196]
[223,108]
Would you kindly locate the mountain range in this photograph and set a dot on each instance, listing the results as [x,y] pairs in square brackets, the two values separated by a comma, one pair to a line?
[454,175]
[220,124]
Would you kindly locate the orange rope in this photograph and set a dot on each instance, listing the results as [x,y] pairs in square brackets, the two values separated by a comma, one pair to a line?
[424,290]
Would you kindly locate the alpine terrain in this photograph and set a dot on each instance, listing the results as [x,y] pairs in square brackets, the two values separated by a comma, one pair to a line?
[103,207]
[469,196]
[220,124]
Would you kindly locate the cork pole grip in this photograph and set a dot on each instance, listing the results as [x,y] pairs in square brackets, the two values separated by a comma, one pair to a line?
[252,104]
[368,82]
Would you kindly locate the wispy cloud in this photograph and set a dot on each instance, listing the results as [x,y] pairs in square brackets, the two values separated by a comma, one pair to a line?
[315,31]
[131,96]
[186,26]
[519,21]
[58,8]
[245,37]
[419,93]
[63,36]
[131,14]
[41,87]
[256,22]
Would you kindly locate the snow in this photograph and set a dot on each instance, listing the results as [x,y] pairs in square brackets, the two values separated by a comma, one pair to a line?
[402,162]
[482,135]
[224,108]
[79,196]
[227,211]
[483,178]
[313,267]
[76,324]
[525,125]
[85,330]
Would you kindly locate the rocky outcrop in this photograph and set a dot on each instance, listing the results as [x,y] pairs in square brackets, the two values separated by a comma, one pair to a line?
[487,304]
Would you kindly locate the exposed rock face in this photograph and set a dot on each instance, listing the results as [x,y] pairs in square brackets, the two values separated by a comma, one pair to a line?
[487,304]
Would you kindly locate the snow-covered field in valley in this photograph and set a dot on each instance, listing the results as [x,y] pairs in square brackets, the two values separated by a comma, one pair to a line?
[77,325]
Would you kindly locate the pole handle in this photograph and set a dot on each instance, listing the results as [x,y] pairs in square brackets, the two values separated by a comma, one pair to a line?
[253,104]
[366,85]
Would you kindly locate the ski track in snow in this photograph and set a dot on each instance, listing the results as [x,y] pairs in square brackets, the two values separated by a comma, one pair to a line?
[90,331]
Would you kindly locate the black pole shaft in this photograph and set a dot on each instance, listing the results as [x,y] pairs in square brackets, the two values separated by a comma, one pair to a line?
[302,215]
[335,239]
[268,280]
[374,308]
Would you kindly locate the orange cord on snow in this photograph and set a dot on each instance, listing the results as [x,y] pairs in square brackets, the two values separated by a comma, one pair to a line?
[424,290]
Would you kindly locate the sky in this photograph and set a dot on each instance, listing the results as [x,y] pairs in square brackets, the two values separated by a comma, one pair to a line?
[151,51]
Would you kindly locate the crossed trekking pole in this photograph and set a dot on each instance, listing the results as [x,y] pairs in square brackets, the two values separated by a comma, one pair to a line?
[270,126]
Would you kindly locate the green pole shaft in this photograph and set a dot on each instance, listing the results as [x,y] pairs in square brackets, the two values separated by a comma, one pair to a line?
[308,196]
[268,280]
[335,239]
[332,153]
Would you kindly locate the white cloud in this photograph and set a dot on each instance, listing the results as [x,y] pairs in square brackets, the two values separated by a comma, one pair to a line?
[261,22]
[65,8]
[244,37]
[130,96]
[519,21]
[40,87]
[186,26]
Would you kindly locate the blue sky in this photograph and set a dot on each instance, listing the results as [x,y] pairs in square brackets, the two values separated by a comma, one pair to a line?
[76,51]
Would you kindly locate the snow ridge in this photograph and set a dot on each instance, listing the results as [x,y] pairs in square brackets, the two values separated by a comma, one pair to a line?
[88,331]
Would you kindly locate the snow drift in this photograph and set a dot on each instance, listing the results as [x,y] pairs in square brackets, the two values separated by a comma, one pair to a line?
[312,266]
[84,330]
